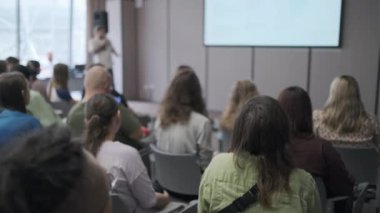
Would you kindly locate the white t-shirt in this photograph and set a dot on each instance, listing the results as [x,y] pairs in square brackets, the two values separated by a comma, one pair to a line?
[193,137]
[133,184]
[105,55]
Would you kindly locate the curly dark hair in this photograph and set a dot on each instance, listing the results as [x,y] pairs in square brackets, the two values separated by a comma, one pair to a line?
[39,173]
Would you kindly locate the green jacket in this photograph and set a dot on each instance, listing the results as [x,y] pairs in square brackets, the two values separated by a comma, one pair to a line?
[224,181]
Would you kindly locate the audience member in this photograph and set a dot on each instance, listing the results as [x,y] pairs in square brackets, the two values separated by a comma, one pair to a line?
[37,105]
[182,126]
[3,66]
[343,120]
[119,98]
[11,62]
[259,157]
[122,162]
[313,154]
[47,172]
[14,96]
[98,81]
[241,93]
[57,89]
[35,68]
[36,84]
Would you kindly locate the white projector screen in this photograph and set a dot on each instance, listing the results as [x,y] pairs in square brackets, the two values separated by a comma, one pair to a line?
[305,23]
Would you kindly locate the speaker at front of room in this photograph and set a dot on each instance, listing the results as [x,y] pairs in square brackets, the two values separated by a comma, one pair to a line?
[101,19]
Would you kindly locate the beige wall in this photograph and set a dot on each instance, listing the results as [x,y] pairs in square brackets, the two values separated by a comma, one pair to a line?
[124,39]
[170,33]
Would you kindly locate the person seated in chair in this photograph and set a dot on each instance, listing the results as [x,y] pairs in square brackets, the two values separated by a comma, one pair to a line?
[98,81]
[241,93]
[182,126]
[128,174]
[14,96]
[36,84]
[311,153]
[259,166]
[343,120]
[37,105]
[57,89]
[49,172]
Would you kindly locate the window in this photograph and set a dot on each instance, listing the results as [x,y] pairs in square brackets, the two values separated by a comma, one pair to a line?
[8,28]
[44,27]
[78,45]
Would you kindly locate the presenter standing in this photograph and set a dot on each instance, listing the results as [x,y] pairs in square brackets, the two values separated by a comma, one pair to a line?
[101,49]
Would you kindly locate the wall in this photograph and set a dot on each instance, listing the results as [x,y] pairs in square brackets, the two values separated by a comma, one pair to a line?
[170,33]
[115,35]
[124,40]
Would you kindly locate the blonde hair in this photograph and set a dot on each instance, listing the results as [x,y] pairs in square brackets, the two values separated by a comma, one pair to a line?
[241,93]
[344,111]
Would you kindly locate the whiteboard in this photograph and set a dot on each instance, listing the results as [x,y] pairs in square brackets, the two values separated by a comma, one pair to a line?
[311,23]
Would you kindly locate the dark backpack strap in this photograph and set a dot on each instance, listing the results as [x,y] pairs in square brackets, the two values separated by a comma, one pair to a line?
[243,202]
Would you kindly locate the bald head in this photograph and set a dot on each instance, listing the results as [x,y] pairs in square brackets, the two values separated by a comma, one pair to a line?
[97,80]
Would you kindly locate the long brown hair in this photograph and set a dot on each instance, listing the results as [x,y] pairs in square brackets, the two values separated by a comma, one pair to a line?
[297,104]
[60,78]
[183,96]
[344,111]
[100,110]
[262,130]
[241,93]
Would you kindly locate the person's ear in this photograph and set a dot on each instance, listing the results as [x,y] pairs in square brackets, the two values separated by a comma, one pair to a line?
[26,96]
[118,118]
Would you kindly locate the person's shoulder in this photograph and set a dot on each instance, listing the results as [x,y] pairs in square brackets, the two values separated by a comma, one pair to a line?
[198,116]
[77,108]
[76,112]
[320,141]
[301,180]
[221,160]
[199,120]
[29,120]
[35,96]
[125,111]
[34,93]
[123,149]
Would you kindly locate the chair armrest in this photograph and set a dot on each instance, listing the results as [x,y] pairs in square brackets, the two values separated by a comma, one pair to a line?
[330,203]
[173,207]
[336,199]
[361,189]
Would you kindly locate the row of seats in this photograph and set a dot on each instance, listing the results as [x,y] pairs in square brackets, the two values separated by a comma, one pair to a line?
[180,173]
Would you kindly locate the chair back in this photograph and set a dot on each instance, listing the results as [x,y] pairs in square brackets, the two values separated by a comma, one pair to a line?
[191,208]
[63,107]
[361,163]
[322,191]
[145,152]
[224,141]
[177,173]
[117,204]
[361,197]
